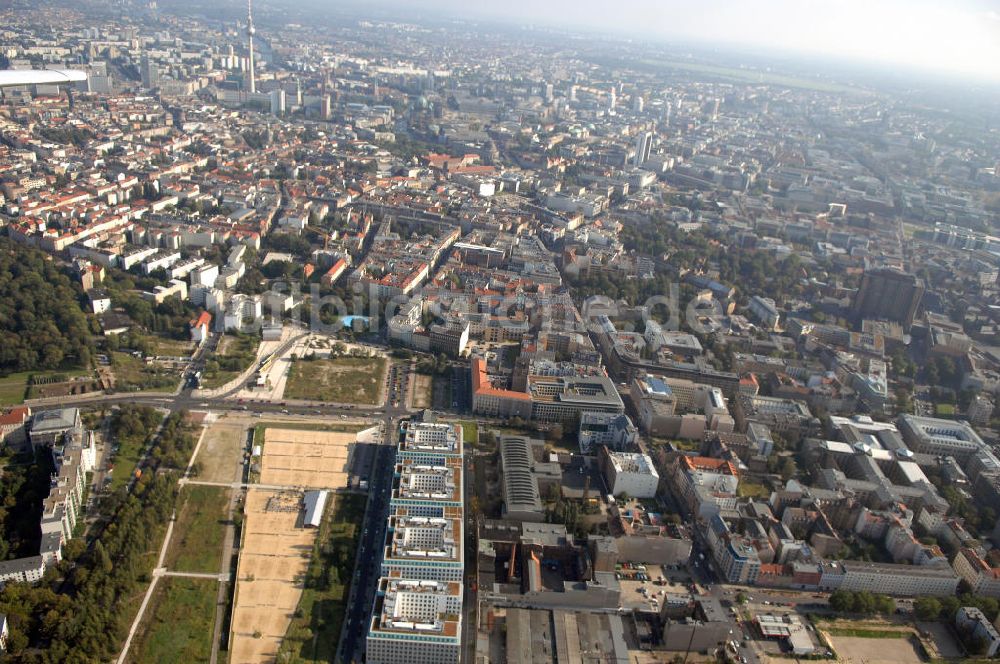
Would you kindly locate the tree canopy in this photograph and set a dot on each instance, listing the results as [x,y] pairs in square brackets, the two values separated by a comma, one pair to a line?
[41,323]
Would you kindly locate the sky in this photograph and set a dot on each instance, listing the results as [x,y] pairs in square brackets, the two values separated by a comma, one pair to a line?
[959,37]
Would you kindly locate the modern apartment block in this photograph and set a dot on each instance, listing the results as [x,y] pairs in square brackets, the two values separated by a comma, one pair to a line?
[417,615]
[416,622]
[427,489]
[433,441]
[888,294]
[901,580]
[424,548]
[73,451]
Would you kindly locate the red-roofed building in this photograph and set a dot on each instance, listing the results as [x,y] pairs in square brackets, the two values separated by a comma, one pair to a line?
[334,273]
[12,425]
[708,485]
[200,327]
[493,401]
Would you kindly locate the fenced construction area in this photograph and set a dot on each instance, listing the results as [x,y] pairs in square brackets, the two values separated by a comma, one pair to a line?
[276,550]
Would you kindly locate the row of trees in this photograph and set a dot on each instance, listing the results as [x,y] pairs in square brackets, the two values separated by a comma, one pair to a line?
[945,608]
[863,602]
[81,612]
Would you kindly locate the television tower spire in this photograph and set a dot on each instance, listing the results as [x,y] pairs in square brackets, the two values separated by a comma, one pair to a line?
[250,33]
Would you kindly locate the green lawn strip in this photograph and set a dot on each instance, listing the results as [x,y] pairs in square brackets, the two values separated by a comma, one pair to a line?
[196,544]
[171,347]
[944,409]
[865,633]
[751,75]
[218,379]
[302,426]
[752,490]
[328,380]
[125,459]
[181,625]
[314,631]
[470,432]
[14,387]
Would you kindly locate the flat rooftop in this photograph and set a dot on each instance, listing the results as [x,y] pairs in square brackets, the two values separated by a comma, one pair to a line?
[418,607]
[418,481]
[431,437]
[424,538]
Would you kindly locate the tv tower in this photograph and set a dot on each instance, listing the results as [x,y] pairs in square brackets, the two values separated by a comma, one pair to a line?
[250,33]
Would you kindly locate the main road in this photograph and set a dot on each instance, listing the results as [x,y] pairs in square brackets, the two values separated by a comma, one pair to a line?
[369,554]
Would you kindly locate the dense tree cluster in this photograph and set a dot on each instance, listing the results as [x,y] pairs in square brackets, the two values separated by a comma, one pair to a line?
[41,323]
[81,612]
[170,318]
[132,424]
[863,602]
[66,135]
[945,608]
[25,485]
[289,244]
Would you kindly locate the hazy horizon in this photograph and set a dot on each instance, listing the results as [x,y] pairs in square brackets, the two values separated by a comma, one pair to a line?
[959,38]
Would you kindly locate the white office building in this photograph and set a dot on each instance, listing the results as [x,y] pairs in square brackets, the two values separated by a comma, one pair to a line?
[629,473]
[424,548]
[416,622]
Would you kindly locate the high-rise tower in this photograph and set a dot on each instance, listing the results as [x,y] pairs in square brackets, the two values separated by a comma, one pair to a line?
[250,33]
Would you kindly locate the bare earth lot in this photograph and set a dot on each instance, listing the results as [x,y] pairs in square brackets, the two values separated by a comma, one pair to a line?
[858,650]
[311,459]
[219,456]
[269,578]
[276,548]
[421,390]
[342,380]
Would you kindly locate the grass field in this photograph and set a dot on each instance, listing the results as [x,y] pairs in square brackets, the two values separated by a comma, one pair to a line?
[315,628]
[180,628]
[171,347]
[867,633]
[944,410]
[470,433]
[125,460]
[14,387]
[751,490]
[219,457]
[196,545]
[343,380]
[234,355]
[218,379]
[132,375]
